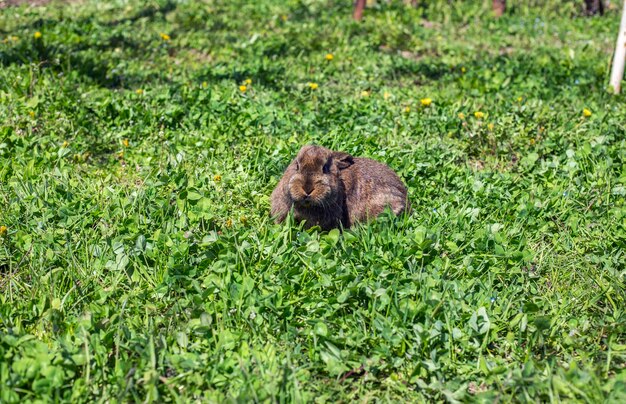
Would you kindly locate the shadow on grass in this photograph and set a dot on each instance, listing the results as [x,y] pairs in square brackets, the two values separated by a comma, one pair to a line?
[149,12]
[538,74]
[93,68]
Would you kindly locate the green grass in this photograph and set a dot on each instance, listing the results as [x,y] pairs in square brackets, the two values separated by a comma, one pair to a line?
[139,261]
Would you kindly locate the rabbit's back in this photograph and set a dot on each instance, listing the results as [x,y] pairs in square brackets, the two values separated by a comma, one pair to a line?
[370,187]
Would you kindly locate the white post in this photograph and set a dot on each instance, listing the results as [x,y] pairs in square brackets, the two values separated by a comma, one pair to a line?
[619,57]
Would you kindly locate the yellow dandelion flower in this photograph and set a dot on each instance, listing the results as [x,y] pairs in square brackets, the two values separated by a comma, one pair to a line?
[329,56]
[519,99]
[243,88]
[31,113]
[283,17]
[3,230]
[65,144]
[461,115]
[14,38]
[248,81]
[139,91]
[165,37]
[229,223]
[490,127]
[365,93]
[125,142]
[426,102]
[532,142]
[386,95]
[37,35]
[463,69]
[586,113]
[479,115]
[217,178]
[407,109]
[205,84]
[312,86]
[243,220]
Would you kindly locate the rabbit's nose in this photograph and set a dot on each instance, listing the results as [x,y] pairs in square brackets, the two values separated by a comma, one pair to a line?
[308,188]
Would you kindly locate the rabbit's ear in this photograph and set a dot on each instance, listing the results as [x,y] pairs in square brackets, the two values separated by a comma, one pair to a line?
[343,160]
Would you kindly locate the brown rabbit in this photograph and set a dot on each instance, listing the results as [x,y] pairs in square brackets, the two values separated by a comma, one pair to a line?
[329,189]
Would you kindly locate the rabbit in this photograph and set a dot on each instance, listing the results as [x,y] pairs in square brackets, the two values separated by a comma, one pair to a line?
[332,189]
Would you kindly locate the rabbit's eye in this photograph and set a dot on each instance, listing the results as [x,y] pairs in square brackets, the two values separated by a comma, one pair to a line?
[326,168]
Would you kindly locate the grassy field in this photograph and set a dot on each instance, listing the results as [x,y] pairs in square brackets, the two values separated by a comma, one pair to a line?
[139,143]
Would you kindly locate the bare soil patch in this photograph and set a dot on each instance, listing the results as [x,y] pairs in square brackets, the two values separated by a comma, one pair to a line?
[13,3]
